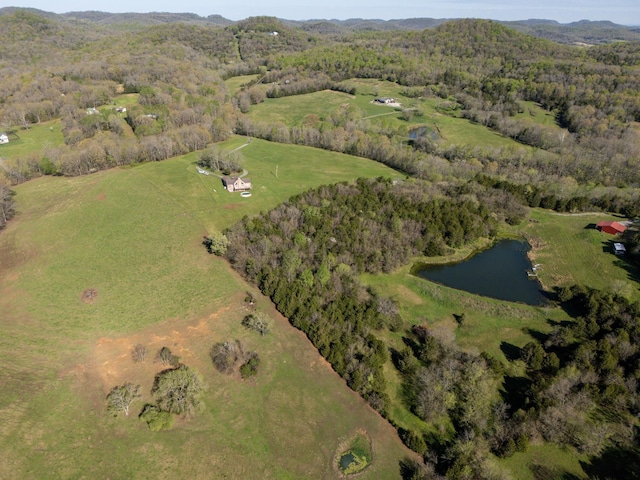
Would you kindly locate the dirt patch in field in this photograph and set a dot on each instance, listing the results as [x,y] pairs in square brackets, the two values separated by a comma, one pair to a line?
[101,197]
[111,362]
[233,206]
[89,295]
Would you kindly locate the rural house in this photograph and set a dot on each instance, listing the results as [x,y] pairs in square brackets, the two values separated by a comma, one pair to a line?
[236,184]
[4,138]
[613,228]
[385,100]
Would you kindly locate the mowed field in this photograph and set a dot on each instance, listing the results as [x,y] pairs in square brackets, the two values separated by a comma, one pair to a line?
[132,237]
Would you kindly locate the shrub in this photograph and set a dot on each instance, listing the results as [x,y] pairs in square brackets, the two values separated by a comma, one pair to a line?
[258,322]
[250,368]
[156,419]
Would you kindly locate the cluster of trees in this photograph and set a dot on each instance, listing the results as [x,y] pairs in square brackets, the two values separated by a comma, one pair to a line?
[580,389]
[232,355]
[218,161]
[176,391]
[490,69]
[182,104]
[306,255]
[444,385]
[625,202]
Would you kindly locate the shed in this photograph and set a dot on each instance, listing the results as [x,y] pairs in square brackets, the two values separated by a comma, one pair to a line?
[613,228]
[4,138]
[619,249]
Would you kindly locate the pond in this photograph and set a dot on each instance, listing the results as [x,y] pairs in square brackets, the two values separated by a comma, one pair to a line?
[503,272]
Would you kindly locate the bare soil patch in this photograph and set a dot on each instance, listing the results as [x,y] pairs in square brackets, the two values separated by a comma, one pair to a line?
[233,206]
[89,295]
[111,362]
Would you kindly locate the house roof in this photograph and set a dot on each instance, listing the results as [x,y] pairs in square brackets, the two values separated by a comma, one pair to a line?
[612,225]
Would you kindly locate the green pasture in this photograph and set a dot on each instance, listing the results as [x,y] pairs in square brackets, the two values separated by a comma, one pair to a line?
[293,110]
[234,84]
[125,100]
[33,140]
[534,112]
[451,129]
[134,237]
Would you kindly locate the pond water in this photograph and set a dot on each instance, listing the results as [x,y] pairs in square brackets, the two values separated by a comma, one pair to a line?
[420,132]
[500,272]
[346,460]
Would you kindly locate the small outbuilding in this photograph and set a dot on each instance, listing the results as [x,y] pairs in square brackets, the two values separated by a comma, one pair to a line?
[613,228]
[619,249]
[4,138]
[385,100]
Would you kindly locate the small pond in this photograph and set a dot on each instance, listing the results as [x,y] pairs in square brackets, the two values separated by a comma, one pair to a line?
[346,460]
[502,271]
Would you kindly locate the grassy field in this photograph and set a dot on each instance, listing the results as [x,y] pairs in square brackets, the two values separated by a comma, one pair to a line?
[133,236]
[33,140]
[451,129]
[537,114]
[234,84]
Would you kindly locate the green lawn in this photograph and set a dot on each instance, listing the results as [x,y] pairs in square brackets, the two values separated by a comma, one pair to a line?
[298,169]
[33,140]
[134,237]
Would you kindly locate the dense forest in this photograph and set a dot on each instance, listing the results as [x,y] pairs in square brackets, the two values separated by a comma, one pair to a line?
[577,386]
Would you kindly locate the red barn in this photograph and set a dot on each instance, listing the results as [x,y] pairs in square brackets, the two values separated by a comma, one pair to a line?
[614,228]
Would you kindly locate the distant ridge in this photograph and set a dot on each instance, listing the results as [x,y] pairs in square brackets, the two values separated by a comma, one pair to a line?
[580,32]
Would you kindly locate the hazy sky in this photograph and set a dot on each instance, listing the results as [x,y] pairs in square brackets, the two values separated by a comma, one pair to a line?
[626,12]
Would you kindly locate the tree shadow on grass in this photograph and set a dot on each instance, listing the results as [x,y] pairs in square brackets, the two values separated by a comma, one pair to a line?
[615,462]
[543,472]
[515,391]
[537,334]
[511,352]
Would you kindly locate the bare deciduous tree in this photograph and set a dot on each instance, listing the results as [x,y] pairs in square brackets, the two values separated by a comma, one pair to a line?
[121,397]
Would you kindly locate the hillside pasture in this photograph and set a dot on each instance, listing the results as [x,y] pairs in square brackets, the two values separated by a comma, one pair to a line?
[293,110]
[132,238]
[450,128]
